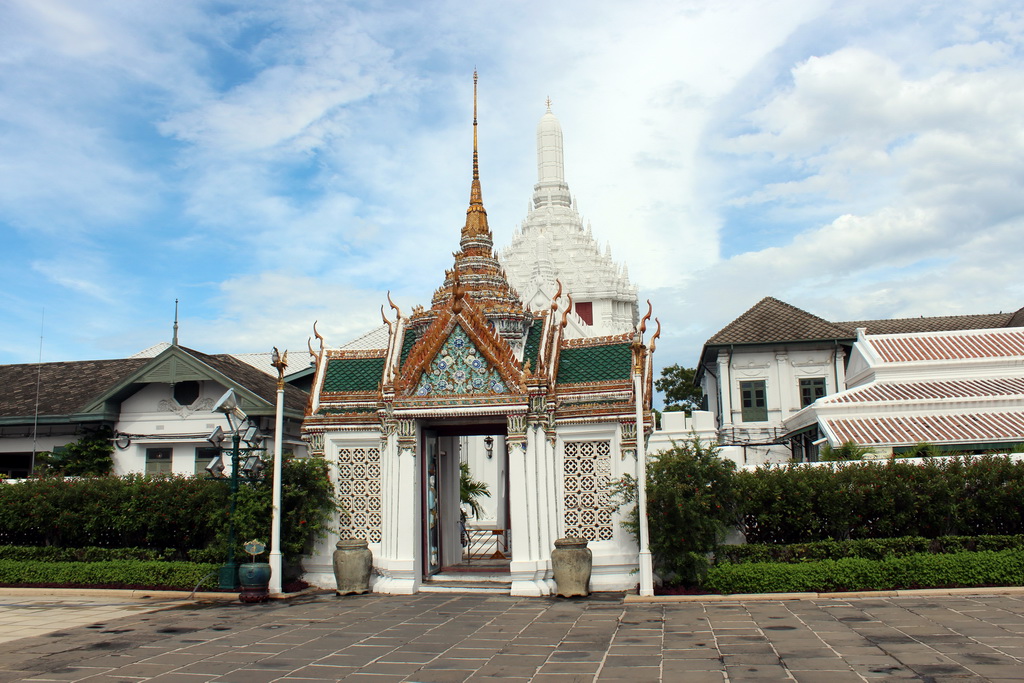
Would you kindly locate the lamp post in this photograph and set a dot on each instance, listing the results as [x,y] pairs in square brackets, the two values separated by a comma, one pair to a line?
[228,405]
[280,362]
[229,572]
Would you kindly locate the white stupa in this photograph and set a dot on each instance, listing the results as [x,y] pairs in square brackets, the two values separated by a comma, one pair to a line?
[552,244]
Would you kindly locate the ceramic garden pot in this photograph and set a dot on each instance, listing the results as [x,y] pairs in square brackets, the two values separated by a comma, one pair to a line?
[254,578]
[352,563]
[571,562]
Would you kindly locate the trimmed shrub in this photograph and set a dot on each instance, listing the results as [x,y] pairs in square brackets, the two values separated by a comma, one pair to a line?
[985,568]
[967,496]
[173,517]
[110,574]
[870,548]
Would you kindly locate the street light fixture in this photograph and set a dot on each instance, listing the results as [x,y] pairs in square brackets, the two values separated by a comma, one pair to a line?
[216,466]
[253,467]
[228,404]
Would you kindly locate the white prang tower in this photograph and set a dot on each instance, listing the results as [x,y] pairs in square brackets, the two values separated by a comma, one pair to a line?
[553,244]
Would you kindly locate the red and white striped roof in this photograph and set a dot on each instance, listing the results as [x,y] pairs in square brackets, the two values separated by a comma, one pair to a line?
[923,391]
[948,346]
[936,429]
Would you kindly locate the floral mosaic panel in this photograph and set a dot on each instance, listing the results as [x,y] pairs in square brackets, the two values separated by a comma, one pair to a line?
[587,473]
[359,493]
[459,368]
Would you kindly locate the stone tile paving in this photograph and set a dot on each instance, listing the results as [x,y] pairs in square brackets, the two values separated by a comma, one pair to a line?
[436,638]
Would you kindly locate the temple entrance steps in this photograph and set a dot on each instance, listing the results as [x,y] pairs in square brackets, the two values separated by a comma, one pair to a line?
[474,576]
[495,584]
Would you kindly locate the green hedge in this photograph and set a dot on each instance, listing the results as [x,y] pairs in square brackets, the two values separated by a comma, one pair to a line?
[131,511]
[110,574]
[869,549]
[955,496]
[174,517]
[51,553]
[985,568]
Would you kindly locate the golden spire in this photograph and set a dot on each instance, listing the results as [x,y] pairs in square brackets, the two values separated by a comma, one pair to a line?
[476,215]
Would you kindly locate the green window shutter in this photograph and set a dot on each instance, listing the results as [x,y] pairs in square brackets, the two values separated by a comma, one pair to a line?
[811,389]
[754,400]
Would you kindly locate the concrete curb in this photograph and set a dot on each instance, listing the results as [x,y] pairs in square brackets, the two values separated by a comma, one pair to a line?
[139,594]
[754,597]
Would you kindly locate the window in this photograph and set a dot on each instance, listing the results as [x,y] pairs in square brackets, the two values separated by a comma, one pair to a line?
[186,393]
[16,465]
[755,406]
[811,389]
[585,310]
[204,454]
[158,461]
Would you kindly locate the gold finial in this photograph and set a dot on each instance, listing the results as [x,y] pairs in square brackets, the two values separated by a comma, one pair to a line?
[476,164]
[549,104]
[476,215]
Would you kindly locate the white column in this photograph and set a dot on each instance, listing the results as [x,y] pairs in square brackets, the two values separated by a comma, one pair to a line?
[725,389]
[646,564]
[275,587]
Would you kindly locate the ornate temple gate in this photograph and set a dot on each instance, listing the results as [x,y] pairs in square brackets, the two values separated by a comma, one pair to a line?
[387,411]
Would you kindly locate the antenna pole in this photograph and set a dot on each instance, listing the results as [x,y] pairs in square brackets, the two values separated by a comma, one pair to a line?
[39,383]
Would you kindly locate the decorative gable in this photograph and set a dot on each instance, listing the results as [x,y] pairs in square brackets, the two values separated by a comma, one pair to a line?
[459,369]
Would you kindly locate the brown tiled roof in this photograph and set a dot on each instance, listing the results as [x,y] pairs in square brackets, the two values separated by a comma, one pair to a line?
[771,320]
[67,388]
[260,383]
[944,323]
[64,388]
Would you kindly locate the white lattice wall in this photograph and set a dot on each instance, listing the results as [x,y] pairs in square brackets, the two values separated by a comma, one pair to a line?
[587,473]
[359,493]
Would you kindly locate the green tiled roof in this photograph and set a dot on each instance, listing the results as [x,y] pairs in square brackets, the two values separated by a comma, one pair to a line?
[606,363]
[408,341]
[532,347]
[353,374]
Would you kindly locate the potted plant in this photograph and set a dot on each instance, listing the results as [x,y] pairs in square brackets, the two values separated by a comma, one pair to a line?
[254,577]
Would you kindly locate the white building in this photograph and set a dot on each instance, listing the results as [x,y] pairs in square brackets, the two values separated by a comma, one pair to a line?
[959,390]
[763,371]
[156,403]
[552,245]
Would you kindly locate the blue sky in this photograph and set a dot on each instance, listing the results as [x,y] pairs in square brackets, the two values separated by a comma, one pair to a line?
[271,164]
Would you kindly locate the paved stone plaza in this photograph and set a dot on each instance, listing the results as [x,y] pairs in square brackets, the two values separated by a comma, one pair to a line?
[438,637]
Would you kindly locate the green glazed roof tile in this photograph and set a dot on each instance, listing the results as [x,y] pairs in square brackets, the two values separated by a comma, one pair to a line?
[532,347]
[606,363]
[353,374]
[408,341]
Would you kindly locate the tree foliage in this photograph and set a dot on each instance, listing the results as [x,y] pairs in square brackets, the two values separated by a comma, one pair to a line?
[680,392]
[90,456]
[471,490]
[691,502]
[847,451]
